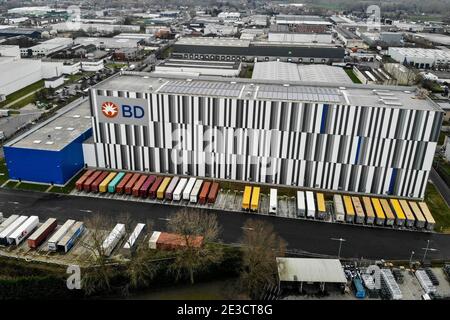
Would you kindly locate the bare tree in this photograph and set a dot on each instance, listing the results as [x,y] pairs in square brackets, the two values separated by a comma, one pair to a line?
[261,246]
[190,224]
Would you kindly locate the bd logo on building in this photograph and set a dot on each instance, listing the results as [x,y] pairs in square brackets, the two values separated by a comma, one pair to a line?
[110,110]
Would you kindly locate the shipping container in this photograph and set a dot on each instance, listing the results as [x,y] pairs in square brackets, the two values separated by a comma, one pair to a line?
[171,188]
[428,216]
[301,205]
[137,186]
[213,192]
[339,209]
[370,213]
[420,219]
[196,191]
[310,204]
[246,198]
[103,187]
[171,241]
[360,216]
[380,216]
[69,239]
[59,234]
[254,203]
[349,210]
[160,193]
[273,201]
[321,207]
[23,230]
[137,234]
[360,292]
[113,184]
[187,190]
[96,184]
[11,228]
[130,184]
[113,239]
[178,193]
[39,236]
[143,191]
[120,188]
[398,211]
[410,220]
[153,191]
[390,217]
[89,181]
[8,221]
[203,196]
[82,179]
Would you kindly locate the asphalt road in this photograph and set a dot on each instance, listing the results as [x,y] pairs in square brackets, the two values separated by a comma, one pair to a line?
[301,235]
[440,184]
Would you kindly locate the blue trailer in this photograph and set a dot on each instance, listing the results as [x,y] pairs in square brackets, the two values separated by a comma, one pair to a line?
[359,288]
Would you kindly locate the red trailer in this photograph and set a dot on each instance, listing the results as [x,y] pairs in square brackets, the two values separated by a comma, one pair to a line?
[83,178]
[154,187]
[204,192]
[138,185]
[143,192]
[120,188]
[87,184]
[213,191]
[129,186]
[39,236]
[100,178]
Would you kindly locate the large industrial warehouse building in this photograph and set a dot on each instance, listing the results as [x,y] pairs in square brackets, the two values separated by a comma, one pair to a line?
[367,139]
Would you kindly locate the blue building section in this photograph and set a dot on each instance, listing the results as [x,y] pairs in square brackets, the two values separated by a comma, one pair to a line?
[46,166]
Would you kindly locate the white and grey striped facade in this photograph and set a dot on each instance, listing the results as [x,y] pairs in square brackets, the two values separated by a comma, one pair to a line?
[334,145]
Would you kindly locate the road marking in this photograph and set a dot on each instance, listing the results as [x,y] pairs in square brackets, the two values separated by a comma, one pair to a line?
[14,202]
[165,219]
[250,229]
[85,210]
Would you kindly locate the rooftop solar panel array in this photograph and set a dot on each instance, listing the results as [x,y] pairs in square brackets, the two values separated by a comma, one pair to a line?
[203,88]
[298,93]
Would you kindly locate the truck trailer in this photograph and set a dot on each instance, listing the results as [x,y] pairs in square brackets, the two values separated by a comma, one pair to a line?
[254,202]
[8,221]
[160,193]
[23,230]
[113,239]
[89,181]
[301,204]
[370,213]
[193,198]
[137,186]
[39,236]
[171,188]
[11,228]
[134,237]
[203,196]
[339,209]
[213,192]
[59,234]
[273,201]
[130,184]
[120,188]
[178,192]
[246,198]
[103,187]
[113,184]
[310,205]
[82,179]
[69,239]
[153,191]
[187,190]
[143,191]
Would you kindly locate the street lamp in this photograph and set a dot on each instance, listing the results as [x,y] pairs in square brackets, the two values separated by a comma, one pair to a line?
[340,245]
[410,258]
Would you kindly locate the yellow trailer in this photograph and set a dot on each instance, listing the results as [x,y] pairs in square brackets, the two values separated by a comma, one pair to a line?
[427,214]
[410,220]
[321,207]
[400,215]
[358,210]
[254,205]
[370,214]
[162,188]
[420,219]
[390,218]
[103,187]
[246,198]
[380,216]
[350,212]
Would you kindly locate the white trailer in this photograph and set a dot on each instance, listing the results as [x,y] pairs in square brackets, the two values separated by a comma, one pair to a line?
[8,221]
[178,193]
[113,239]
[301,206]
[310,205]
[195,191]
[23,230]
[339,210]
[53,241]
[67,242]
[154,239]
[137,233]
[11,228]
[188,189]
[273,202]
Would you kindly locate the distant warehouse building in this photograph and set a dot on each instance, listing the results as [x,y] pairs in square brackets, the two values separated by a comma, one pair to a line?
[52,152]
[419,57]
[357,138]
[244,50]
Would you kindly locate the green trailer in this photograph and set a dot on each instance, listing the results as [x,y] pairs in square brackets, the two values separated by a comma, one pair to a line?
[112,185]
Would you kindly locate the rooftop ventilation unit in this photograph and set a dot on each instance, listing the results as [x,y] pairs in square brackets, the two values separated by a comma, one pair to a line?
[76,116]
[70,129]
[58,128]
[49,142]
[37,141]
